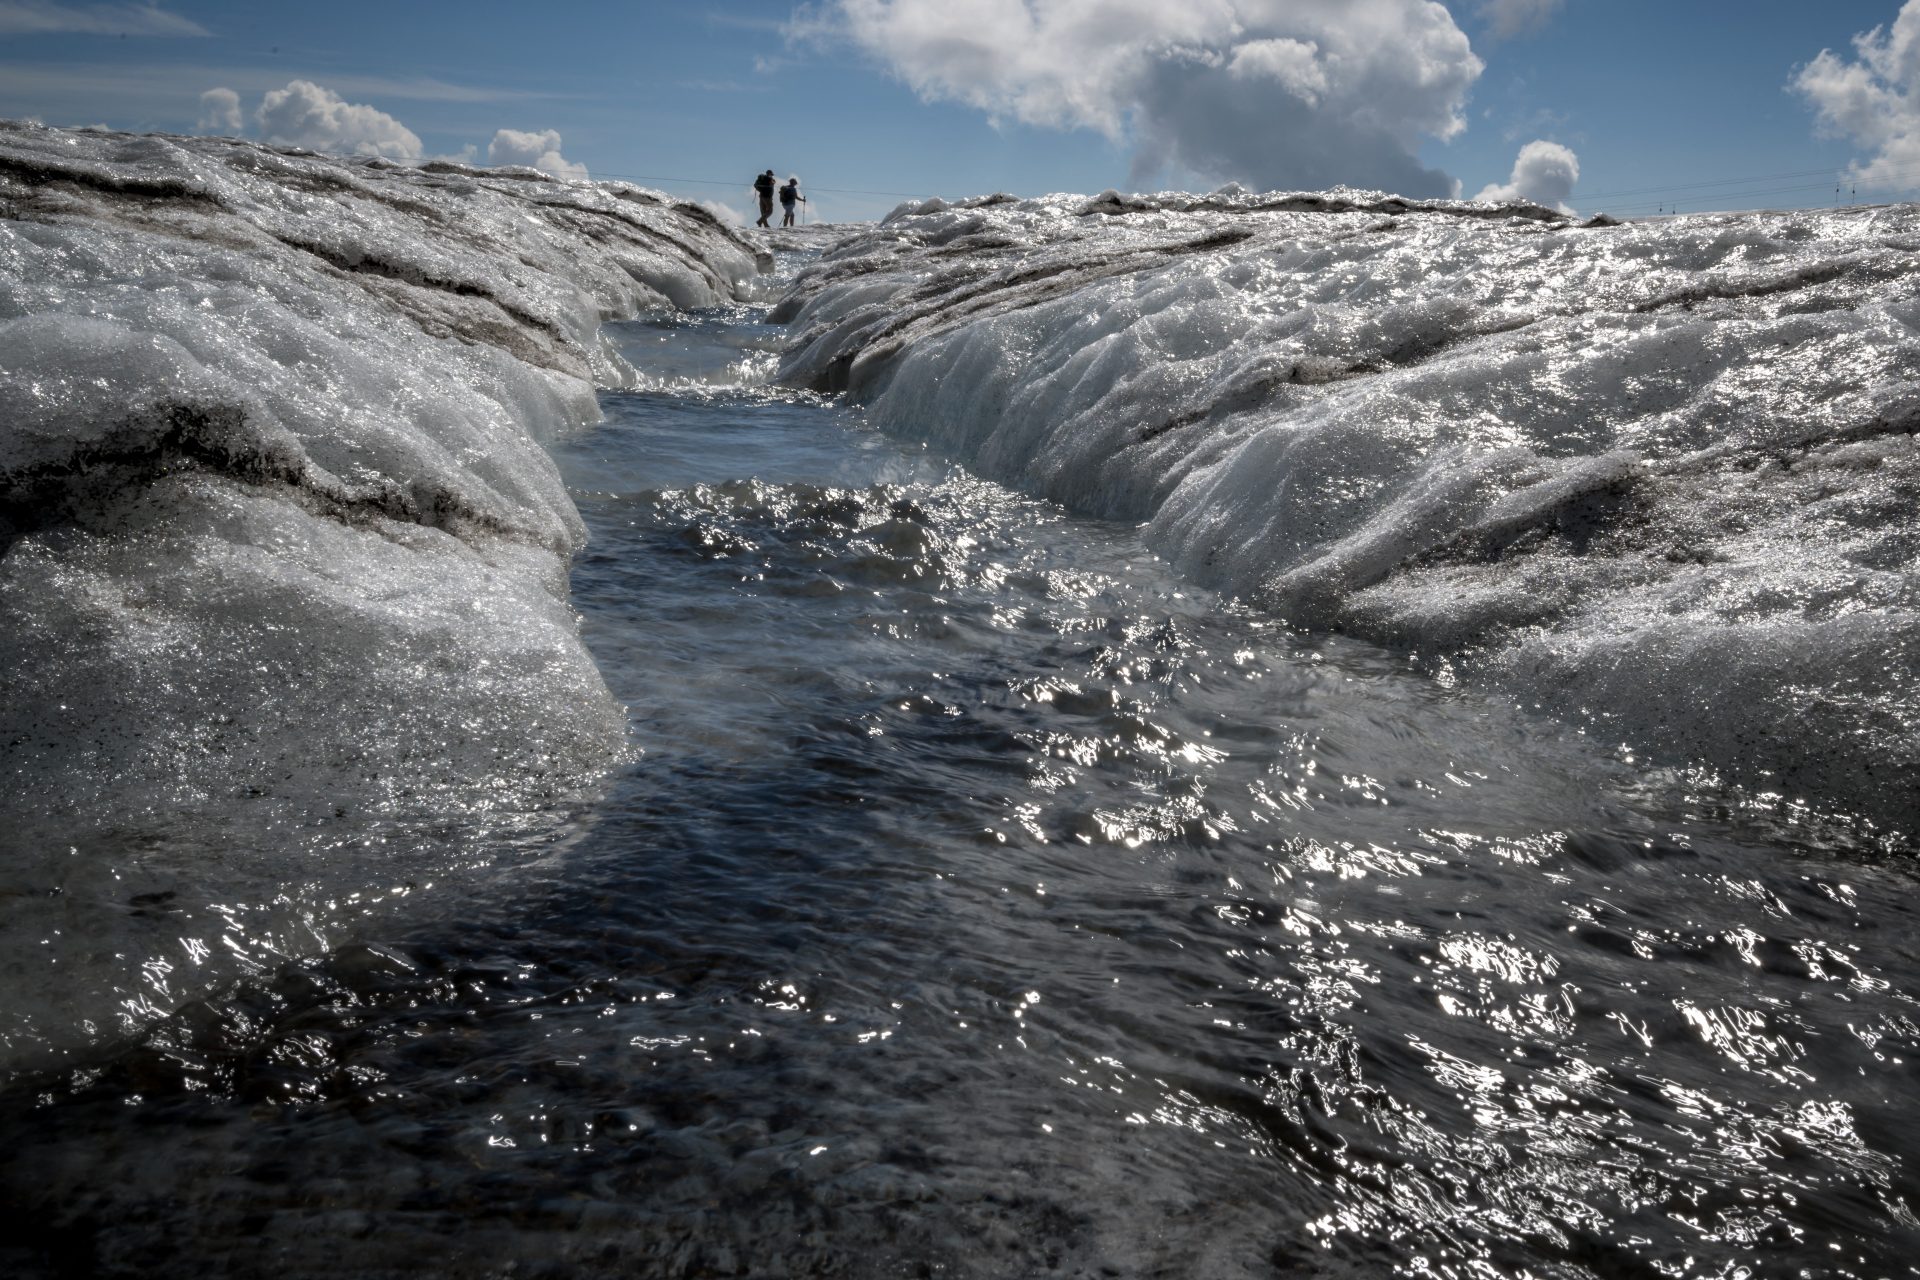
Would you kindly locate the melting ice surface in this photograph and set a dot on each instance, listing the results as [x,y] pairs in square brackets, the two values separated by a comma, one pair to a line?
[1661,477]
[979,897]
[988,901]
[282,558]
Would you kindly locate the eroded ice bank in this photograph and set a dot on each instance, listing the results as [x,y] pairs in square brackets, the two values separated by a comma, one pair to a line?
[281,552]
[1660,476]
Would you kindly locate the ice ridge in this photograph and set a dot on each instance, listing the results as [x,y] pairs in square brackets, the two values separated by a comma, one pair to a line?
[282,556]
[192,325]
[1659,477]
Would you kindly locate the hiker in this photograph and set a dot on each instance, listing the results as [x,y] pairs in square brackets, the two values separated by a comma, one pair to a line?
[789,194]
[763,185]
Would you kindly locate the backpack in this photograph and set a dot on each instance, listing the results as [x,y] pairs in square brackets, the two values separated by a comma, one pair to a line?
[763,184]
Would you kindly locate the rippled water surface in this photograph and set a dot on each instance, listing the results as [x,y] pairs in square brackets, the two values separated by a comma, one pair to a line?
[983,901]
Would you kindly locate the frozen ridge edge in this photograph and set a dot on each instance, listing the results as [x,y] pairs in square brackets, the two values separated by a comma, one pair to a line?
[1659,477]
[283,560]
[231,369]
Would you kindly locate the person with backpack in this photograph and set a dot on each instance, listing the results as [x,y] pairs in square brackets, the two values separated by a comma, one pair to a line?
[763,187]
[789,194]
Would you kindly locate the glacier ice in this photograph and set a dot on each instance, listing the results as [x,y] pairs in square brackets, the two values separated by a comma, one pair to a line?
[1659,476]
[280,544]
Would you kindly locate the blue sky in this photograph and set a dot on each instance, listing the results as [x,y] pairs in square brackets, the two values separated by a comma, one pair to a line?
[917,97]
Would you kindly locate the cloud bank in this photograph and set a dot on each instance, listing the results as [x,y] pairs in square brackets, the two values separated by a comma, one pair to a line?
[1543,172]
[534,150]
[1873,99]
[220,112]
[1271,93]
[308,115]
[43,17]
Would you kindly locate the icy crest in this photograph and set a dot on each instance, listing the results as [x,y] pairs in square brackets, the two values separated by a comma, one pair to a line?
[1659,476]
[277,530]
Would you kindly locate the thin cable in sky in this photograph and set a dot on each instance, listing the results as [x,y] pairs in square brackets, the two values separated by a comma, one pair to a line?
[1901,179]
[715,182]
[1718,182]
[1895,179]
[1658,196]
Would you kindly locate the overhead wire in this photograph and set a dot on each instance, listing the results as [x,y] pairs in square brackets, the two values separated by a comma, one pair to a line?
[1899,179]
[1738,188]
[1717,182]
[715,182]
[1672,204]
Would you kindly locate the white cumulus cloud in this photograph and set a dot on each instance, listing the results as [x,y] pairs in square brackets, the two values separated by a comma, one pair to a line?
[1294,63]
[308,115]
[1543,172]
[1273,93]
[534,150]
[220,112]
[43,17]
[1873,99]
[1506,18]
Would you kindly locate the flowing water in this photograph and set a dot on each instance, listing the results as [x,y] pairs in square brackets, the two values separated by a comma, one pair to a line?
[981,900]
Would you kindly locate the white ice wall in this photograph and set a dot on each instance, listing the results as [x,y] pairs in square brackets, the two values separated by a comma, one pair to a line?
[1660,476]
[283,562]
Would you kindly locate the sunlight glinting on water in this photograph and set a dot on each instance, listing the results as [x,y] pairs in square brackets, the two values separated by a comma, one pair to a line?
[984,896]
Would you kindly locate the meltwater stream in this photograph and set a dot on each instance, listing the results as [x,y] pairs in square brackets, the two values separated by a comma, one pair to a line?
[983,901]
